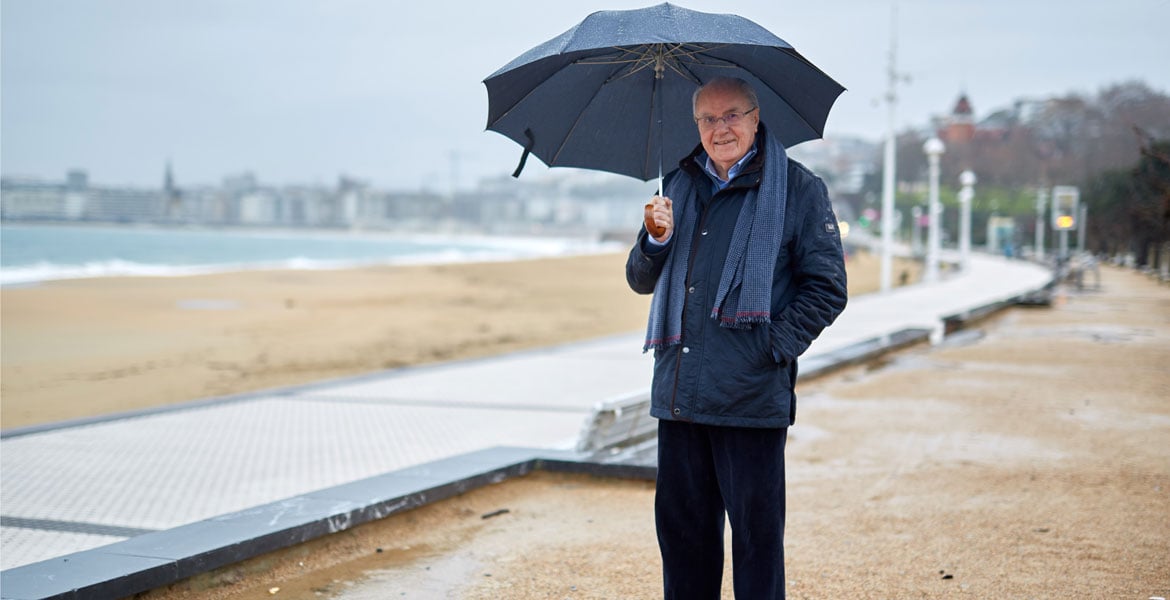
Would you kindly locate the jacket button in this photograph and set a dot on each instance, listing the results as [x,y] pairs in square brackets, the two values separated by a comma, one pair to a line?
[677,411]
[704,232]
[691,289]
[686,349]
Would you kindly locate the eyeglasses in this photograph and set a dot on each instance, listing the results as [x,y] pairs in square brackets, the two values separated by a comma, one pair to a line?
[730,119]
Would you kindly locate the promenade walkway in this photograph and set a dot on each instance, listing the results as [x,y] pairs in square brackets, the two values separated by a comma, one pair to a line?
[74,486]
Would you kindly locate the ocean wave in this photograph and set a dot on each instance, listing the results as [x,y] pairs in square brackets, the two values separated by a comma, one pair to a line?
[490,250]
[46,271]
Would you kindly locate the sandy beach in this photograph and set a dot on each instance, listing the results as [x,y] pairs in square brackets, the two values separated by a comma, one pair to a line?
[86,347]
[1025,460]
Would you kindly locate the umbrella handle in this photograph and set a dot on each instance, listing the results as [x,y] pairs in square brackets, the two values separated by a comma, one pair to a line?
[654,229]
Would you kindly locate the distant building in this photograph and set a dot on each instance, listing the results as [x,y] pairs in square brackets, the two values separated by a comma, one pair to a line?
[33,199]
[998,125]
[572,202]
[959,126]
[172,197]
[124,205]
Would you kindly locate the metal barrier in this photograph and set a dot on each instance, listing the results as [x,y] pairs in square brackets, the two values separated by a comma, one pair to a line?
[618,423]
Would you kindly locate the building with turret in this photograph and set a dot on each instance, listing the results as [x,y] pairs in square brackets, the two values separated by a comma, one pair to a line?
[959,126]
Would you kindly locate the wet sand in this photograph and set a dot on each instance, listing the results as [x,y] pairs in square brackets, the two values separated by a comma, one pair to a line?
[1027,462]
[98,346]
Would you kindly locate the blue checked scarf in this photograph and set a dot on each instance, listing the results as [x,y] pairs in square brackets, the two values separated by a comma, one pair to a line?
[744,296]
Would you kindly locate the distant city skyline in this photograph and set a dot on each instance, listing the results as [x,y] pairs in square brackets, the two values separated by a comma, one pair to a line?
[390,92]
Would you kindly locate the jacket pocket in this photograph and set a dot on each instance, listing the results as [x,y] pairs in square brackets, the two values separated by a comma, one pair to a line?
[745,347]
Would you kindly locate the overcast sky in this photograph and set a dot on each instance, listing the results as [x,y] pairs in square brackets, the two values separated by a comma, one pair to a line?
[390,91]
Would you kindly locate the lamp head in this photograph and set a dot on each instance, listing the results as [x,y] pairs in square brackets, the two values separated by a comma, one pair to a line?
[934,147]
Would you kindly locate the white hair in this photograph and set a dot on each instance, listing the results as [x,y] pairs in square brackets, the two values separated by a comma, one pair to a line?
[736,84]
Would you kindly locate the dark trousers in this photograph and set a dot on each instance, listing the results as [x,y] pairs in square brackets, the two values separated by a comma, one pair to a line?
[707,471]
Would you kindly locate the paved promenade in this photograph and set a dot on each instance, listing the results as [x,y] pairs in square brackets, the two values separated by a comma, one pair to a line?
[75,486]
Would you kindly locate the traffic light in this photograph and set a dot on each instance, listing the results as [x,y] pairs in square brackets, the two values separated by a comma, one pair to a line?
[1065,200]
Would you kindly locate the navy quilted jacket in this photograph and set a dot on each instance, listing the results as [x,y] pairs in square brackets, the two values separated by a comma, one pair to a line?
[737,377]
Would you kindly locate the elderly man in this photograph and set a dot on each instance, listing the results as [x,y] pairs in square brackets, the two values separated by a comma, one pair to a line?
[746,270]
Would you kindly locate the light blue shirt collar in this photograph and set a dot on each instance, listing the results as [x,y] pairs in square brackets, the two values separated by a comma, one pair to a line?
[704,160]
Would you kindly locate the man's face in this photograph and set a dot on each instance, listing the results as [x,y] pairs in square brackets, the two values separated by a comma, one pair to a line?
[726,144]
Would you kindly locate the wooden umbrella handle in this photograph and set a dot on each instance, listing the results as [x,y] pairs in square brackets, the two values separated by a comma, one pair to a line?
[652,228]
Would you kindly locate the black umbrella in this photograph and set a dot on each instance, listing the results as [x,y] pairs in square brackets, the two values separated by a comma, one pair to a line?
[614,92]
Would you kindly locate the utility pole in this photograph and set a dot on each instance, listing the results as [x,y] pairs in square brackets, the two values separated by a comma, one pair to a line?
[890,159]
[1082,227]
[934,149]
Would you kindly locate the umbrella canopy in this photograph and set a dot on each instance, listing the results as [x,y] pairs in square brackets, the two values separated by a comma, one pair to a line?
[614,92]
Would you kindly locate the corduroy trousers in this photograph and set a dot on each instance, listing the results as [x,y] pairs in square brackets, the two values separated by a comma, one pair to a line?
[704,473]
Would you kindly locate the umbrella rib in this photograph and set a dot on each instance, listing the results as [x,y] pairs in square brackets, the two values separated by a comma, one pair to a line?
[679,66]
[686,73]
[646,55]
[639,53]
[640,61]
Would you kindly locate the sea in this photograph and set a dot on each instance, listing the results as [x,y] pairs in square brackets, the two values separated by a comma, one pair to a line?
[36,253]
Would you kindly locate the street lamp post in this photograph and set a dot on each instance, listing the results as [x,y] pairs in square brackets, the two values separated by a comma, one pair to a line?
[1040,203]
[887,257]
[966,194]
[916,239]
[934,149]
